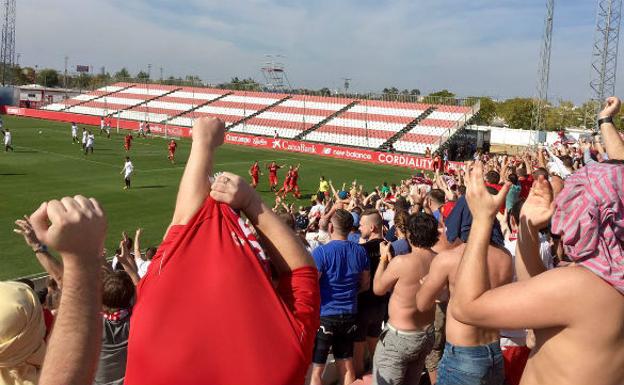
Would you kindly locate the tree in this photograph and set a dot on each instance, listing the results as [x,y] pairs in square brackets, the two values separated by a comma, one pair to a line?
[415,92]
[193,79]
[122,74]
[83,80]
[487,112]
[439,96]
[143,76]
[248,84]
[516,112]
[324,91]
[48,77]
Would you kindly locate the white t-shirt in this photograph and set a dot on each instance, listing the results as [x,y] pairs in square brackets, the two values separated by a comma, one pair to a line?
[74,130]
[317,209]
[101,123]
[84,136]
[128,168]
[142,266]
[7,138]
[90,140]
[141,127]
[388,216]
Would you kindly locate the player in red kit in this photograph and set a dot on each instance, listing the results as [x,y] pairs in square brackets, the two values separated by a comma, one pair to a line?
[273,167]
[172,149]
[254,171]
[286,187]
[294,185]
[128,142]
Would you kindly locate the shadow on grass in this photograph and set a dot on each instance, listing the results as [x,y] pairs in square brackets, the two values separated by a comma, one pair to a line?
[12,174]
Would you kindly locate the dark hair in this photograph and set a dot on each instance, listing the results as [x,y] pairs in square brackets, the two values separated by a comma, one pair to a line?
[437,195]
[401,204]
[400,221]
[513,178]
[117,290]
[42,294]
[567,161]
[461,190]
[27,281]
[540,171]
[492,177]
[150,252]
[357,210]
[491,190]
[342,221]
[514,212]
[422,230]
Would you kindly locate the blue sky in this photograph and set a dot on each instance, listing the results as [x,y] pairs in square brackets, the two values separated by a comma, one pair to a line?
[475,47]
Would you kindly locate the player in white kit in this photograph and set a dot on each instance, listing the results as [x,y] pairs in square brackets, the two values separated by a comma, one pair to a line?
[127,170]
[74,132]
[8,141]
[84,138]
[141,129]
[90,143]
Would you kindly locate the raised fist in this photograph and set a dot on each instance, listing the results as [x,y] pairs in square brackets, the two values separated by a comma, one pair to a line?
[611,108]
[208,131]
[75,227]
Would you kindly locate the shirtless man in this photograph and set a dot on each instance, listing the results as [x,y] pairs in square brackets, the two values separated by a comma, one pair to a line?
[472,355]
[576,312]
[408,335]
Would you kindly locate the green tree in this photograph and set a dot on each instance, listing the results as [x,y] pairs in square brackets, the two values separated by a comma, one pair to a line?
[48,77]
[487,111]
[516,112]
[83,80]
[122,74]
[439,97]
[415,92]
[142,75]
[324,91]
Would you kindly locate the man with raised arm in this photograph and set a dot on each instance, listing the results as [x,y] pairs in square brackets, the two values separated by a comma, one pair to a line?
[576,312]
[408,335]
[206,311]
[472,355]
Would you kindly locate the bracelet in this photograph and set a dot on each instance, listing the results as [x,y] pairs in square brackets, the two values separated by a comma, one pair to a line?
[41,249]
[608,119]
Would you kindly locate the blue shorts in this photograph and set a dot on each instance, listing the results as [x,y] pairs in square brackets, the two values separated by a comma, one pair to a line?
[471,365]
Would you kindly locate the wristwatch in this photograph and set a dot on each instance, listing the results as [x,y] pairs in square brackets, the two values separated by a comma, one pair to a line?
[41,249]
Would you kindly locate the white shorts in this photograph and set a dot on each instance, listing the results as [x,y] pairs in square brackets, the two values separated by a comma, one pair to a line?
[127,176]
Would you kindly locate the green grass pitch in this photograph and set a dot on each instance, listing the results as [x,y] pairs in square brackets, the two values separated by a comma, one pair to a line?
[46,165]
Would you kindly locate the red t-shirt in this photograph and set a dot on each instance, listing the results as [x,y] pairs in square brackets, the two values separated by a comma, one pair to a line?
[255,169]
[207,313]
[294,176]
[273,170]
[172,147]
[128,139]
[525,186]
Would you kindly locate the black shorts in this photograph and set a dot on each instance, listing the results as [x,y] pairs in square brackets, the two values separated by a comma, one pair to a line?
[369,320]
[337,333]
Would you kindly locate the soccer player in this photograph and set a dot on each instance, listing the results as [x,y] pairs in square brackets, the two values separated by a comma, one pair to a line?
[107,126]
[127,170]
[128,142]
[148,130]
[84,138]
[8,141]
[273,167]
[90,143]
[172,149]
[294,185]
[141,129]
[102,126]
[74,132]
[286,187]
[254,172]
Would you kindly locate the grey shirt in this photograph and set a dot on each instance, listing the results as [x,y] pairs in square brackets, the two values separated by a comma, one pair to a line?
[112,364]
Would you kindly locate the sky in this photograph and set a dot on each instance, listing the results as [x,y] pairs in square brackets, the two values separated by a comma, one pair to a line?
[477,47]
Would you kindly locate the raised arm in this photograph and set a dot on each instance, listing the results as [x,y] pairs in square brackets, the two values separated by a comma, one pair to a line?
[137,243]
[27,229]
[534,216]
[128,263]
[208,134]
[612,139]
[77,231]
[282,243]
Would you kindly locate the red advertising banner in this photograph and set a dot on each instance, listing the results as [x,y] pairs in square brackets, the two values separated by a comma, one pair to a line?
[279,144]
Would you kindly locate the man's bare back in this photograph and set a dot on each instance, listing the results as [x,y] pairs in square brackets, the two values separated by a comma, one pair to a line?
[442,272]
[402,310]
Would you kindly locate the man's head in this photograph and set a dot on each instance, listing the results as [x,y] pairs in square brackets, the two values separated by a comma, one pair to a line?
[340,224]
[127,158]
[492,177]
[117,290]
[150,252]
[436,198]
[273,163]
[540,171]
[422,230]
[322,178]
[371,224]
[513,178]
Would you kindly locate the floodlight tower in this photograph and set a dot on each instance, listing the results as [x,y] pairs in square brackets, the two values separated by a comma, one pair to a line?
[605,52]
[543,72]
[275,74]
[347,83]
[7,48]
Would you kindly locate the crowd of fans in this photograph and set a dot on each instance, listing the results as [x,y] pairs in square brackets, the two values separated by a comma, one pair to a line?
[508,271]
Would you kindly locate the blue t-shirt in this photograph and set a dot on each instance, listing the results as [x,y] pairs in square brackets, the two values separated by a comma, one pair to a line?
[354,237]
[401,247]
[341,264]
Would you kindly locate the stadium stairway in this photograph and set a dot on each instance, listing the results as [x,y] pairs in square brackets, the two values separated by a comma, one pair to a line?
[386,145]
[458,132]
[99,97]
[243,120]
[320,124]
[145,101]
[196,107]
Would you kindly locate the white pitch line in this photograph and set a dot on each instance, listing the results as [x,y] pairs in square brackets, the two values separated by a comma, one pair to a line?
[66,156]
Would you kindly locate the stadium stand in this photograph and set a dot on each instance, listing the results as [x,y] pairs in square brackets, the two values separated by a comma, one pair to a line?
[371,124]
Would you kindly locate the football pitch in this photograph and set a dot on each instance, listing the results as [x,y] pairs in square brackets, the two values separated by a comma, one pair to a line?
[46,165]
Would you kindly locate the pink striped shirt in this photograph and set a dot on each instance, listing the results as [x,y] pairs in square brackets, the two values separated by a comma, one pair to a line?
[589,216]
